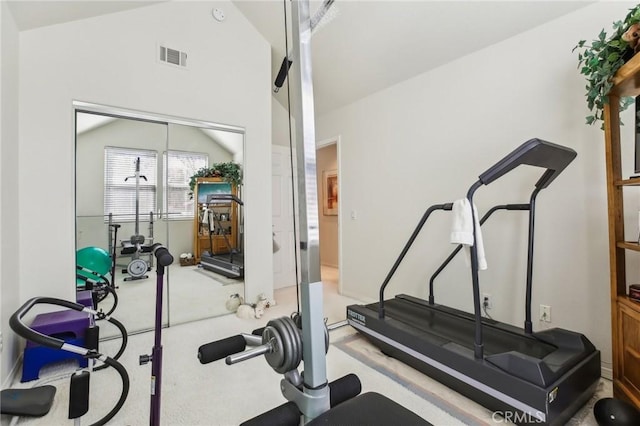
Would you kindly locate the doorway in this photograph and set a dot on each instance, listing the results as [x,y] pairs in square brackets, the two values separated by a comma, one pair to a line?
[327,167]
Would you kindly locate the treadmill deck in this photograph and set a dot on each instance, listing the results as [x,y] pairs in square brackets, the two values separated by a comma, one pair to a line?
[439,342]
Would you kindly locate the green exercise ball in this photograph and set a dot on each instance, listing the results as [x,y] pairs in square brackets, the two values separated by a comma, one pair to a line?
[94,259]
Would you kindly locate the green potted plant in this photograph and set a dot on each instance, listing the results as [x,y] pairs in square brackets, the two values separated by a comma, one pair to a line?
[229,172]
[600,60]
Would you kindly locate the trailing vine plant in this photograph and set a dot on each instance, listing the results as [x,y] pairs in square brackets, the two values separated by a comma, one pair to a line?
[229,172]
[600,60]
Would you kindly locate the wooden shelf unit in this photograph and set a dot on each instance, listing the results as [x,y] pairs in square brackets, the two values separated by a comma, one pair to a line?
[625,313]
[227,214]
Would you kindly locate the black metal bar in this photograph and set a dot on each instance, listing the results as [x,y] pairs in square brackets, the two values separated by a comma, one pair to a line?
[477,311]
[453,254]
[114,251]
[528,325]
[224,197]
[423,220]
[163,258]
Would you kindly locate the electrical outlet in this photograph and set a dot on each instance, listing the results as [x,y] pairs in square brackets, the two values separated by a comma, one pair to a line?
[487,301]
[545,313]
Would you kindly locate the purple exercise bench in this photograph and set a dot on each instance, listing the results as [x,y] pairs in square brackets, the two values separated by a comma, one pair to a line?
[69,325]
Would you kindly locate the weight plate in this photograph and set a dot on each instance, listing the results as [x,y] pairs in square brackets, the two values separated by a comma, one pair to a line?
[137,268]
[275,357]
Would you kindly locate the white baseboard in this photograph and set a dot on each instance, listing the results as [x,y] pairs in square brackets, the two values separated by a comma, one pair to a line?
[13,373]
[606,372]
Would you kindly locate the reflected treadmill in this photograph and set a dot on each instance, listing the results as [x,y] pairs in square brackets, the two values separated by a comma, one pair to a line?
[541,377]
[230,264]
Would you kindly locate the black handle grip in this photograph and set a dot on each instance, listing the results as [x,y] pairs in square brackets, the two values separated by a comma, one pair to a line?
[344,388]
[282,73]
[221,349]
[22,330]
[79,394]
[518,206]
[162,254]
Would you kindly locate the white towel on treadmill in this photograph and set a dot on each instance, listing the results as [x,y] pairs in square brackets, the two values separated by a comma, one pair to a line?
[462,230]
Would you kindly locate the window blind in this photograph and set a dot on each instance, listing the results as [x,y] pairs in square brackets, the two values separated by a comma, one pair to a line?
[177,193]
[120,183]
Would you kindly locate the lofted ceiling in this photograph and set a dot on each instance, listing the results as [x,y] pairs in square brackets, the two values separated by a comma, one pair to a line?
[30,14]
[366,46]
[362,46]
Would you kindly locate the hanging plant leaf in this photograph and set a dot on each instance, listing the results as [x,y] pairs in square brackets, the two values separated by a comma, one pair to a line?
[229,172]
[600,61]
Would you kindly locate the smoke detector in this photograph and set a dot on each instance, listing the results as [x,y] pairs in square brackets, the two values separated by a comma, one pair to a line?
[218,14]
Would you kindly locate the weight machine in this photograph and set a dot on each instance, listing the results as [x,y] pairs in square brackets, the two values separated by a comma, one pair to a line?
[286,342]
[135,246]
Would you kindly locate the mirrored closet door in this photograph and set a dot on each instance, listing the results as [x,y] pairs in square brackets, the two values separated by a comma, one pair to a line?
[119,210]
[196,227]
[133,189]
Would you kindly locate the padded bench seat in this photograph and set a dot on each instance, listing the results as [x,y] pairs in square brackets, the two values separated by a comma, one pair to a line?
[371,409]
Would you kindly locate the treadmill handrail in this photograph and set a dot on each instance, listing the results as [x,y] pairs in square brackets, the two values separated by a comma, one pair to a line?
[407,246]
[455,251]
[534,152]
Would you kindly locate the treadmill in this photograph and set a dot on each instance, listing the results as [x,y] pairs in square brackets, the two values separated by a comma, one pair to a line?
[542,377]
[231,263]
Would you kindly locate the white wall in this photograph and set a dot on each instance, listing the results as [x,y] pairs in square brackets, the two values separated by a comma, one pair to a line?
[9,213]
[280,126]
[425,141]
[110,60]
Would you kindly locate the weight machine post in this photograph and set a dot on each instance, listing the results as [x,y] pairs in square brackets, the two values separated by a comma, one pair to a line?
[164,259]
[316,390]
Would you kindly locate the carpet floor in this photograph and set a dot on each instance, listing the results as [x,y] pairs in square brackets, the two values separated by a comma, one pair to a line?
[217,394]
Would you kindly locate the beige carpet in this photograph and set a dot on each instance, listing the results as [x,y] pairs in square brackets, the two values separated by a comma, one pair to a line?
[190,294]
[217,394]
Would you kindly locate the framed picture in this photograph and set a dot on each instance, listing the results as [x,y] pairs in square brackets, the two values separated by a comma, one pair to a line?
[330,192]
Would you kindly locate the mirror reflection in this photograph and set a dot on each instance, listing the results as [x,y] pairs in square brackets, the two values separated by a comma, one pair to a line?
[201,225]
[135,187]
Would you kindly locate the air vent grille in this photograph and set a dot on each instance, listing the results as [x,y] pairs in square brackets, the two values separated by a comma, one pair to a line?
[173,56]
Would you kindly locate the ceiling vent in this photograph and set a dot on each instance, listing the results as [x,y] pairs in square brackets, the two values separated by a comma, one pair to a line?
[173,57]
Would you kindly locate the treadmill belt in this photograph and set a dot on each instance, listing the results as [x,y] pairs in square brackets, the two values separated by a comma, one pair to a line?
[461,331]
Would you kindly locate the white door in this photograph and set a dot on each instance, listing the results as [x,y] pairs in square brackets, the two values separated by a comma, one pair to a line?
[284,267]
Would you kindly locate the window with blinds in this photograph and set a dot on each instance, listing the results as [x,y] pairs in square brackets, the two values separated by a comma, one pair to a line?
[181,166]
[120,183]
